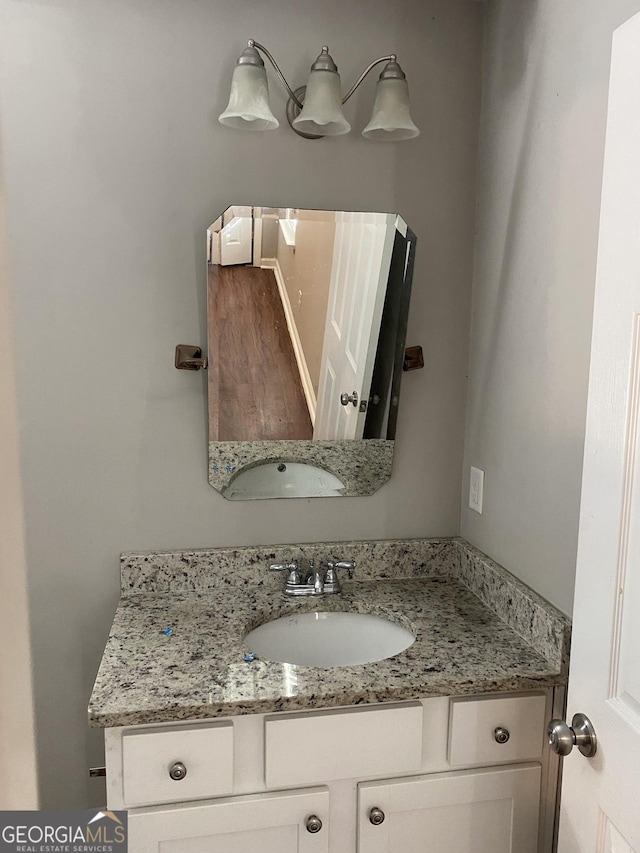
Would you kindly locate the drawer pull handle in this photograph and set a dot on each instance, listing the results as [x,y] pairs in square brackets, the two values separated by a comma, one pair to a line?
[376,816]
[177,771]
[501,734]
[313,823]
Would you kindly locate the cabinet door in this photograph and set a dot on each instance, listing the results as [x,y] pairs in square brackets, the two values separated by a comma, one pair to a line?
[261,823]
[484,811]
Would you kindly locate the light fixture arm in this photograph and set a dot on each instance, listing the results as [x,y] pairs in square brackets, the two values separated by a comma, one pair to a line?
[391,58]
[267,53]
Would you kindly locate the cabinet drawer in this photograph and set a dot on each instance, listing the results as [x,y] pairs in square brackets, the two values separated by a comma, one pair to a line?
[473,724]
[306,748]
[148,757]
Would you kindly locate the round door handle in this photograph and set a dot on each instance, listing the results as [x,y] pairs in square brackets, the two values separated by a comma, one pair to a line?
[345,398]
[376,816]
[177,771]
[313,823]
[501,734]
[562,737]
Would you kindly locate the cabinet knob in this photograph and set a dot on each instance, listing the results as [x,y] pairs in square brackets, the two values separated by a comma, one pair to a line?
[501,734]
[177,771]
[376,816]
[313,823]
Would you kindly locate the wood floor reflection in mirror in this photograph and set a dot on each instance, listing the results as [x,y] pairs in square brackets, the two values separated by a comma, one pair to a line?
[260,392]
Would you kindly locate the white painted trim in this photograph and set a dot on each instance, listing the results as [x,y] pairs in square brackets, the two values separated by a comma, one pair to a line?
[305,376]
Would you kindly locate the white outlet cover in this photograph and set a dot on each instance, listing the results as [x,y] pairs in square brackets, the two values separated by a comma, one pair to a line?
[476,489]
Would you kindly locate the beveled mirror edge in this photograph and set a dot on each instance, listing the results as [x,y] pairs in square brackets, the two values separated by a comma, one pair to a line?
[362,466]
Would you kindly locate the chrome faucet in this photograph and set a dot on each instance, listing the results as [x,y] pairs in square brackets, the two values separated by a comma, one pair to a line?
[313,581]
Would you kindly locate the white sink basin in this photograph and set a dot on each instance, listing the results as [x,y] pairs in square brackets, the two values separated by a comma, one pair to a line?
[328,639]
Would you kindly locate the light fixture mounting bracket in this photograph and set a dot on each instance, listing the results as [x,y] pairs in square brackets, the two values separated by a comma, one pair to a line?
[293,111]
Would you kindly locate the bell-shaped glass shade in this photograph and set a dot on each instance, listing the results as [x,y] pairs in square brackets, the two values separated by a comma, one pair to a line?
[248,107]
[322,108]
[391,120]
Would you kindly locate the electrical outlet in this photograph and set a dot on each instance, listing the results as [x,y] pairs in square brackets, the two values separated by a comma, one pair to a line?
[476,489]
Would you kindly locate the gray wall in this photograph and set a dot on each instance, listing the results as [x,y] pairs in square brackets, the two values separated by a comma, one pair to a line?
[18,788]
[114,166]
[545,81]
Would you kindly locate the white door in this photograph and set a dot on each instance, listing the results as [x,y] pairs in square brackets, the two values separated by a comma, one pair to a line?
[262,823]
[361,258]
[600,809]
[492,810]
[236,236]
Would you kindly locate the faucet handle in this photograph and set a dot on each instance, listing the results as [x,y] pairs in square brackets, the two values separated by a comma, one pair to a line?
[332,581]
[347,565]
[294,576]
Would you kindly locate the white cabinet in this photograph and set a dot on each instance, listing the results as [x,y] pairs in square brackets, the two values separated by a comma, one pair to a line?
[489,731]
[417,762]
[152,757]
[481,811]
[343,743]
[265,823]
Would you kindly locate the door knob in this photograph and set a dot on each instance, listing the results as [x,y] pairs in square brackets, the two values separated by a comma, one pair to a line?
[562,737]
[345,398]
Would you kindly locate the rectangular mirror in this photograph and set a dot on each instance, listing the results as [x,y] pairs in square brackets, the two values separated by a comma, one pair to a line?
[307,314]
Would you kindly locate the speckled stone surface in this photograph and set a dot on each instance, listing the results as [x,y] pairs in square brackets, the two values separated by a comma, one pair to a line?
[531,616]
[363,466]
[247,567]
[198,670]
[211,599]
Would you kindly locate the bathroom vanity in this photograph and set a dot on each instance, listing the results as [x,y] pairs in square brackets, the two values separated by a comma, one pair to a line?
[440,747]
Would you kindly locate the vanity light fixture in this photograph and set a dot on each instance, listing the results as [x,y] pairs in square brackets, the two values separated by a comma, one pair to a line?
[315,110]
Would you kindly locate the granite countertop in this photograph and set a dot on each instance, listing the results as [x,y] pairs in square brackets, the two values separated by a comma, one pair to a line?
[198,671]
